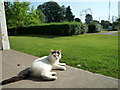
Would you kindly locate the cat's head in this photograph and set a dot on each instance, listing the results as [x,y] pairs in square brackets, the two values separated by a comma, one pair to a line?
[56,54]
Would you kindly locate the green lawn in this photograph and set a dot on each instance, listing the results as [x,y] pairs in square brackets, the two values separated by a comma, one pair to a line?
[95,53]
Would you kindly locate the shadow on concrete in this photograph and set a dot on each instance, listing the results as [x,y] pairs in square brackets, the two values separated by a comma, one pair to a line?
[25,72]
[38,79]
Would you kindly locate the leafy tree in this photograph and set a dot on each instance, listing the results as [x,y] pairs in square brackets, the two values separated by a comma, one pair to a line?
[118,20]
[69,15]
[77,20]
[52,11]
[105,24]
[116,24]
[63,12]
[32,18]
[88,18]
[96,21]
[41,15]
[8,12]
[19,14]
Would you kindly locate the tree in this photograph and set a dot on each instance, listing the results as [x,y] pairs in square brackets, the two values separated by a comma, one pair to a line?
[52,11]
[77,20]
[96,21]
[32,17]
[105,24]
[69,15]
[41,15]
[19,14]
[118,20]
[63,12]
[116,24]
[8,12]
[88,18]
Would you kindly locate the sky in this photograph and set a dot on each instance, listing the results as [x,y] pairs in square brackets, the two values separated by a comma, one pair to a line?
[99,8]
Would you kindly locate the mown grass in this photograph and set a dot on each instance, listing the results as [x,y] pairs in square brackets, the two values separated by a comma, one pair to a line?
[103,31]
[95,53]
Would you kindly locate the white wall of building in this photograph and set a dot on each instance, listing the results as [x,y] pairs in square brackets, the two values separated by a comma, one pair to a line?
[4,42]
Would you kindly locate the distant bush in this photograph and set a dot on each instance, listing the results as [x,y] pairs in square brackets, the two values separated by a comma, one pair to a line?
[116,26]
[94,27]
[60,29]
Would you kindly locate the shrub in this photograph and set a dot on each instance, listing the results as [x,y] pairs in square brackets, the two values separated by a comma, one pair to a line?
[84,28]
[116,26]
[60,29]
[94,27]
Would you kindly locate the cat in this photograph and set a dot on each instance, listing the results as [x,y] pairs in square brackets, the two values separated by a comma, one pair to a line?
[42,67]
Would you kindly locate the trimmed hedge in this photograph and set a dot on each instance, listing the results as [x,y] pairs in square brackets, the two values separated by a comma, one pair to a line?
[60,29]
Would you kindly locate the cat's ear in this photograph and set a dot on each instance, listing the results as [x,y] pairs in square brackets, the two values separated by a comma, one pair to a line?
[51,50]
[60,50]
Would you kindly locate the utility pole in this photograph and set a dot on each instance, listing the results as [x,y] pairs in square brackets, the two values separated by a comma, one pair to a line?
[99,19]
[4,41]
[109,11]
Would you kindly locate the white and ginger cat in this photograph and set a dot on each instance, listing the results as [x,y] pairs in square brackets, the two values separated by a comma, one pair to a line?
[42,67]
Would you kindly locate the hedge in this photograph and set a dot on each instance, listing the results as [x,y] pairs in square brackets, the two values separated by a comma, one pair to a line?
[60,29]
[94,27]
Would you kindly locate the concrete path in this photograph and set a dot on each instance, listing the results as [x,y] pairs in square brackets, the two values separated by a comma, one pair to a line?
[71,78]
[107,33]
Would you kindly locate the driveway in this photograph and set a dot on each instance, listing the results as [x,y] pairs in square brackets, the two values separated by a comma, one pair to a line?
[107,33]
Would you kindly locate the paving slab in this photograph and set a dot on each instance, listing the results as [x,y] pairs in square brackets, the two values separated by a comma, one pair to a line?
[71,78]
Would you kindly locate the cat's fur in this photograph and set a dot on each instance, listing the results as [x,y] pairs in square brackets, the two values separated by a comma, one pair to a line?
[42,67]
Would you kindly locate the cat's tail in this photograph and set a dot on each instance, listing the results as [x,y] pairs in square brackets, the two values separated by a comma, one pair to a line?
[16,78]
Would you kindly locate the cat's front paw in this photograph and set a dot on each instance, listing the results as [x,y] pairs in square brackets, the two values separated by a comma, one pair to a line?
[63,64]
[54,78]
[64,68]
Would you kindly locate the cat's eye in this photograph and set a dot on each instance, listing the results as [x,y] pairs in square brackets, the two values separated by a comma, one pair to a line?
[58,52]
[55,52]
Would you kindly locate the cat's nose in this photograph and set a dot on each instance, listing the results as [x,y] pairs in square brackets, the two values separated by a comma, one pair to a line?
[54,55]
